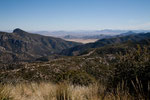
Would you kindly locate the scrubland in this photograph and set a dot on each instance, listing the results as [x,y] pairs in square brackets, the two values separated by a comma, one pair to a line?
[119,76]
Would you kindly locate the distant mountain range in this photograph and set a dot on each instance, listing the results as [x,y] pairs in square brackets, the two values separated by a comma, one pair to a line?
[83,33]
[21,45]
[101,36]
[87,37]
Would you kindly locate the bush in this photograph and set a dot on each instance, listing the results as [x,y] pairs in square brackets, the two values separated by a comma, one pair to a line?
[133,65]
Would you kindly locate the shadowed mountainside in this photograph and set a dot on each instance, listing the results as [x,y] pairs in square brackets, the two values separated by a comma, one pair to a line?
[21,45]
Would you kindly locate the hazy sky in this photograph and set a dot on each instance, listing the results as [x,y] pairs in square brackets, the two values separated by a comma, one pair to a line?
[74,14]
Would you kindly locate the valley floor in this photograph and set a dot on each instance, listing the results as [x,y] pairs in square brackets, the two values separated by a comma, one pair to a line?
[82,40]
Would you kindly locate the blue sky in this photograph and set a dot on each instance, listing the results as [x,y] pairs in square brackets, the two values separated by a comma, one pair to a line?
[74,14]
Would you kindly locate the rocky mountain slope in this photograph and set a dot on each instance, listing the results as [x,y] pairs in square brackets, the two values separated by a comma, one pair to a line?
[21,45]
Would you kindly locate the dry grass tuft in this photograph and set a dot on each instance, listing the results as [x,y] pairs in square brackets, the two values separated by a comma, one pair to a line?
[5,93]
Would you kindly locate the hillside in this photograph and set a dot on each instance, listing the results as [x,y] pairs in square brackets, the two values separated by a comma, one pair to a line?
[117,48]
[77,50]
[21,45]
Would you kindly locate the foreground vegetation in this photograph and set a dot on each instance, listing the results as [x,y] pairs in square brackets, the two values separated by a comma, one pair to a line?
[65,91]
